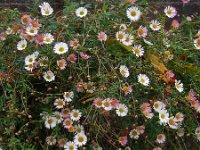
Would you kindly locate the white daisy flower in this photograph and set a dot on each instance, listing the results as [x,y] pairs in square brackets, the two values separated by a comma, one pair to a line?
[9,31]
[197,132]
[60,48]
[155,25]
[50,122]
[124,71]
[59,103]
[143,79]
[134,134]
[29,67]
[170,11]
[80,139]
[81,12]
[79,129]
[138,50]
[49,76]
[172,123]
[75,115]
[46,9]
[158,106]
[180,132]
[163,116]
[21,45]
[31,31]
[30,59]
[68,96]
[197,43]
[179,85]
[133,13]
[161,138]
[51,140]
[70,146]
[120,36]
[122,27]
[58,117]
[48,38]
[128,41]
[106,104]
[122,110]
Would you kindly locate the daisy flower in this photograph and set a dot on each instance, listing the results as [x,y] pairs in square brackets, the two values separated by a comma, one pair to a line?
[179,85]
[80,139]
[75,115]
[35,24]
[163,116]
[170,11]
[158,106]
[175,24]
[197,43]
[161,138]
[59,103]
[138,50]
[106,104]
[97,102]
[142,31]
[122,27]
[30,59]
[60,48]
[102,36]
[84,55]
[143,79]
[155,25]
[133,13]
[39,39]
[31,31]
[58,117]
[122,110]
[140,129]
[123,140]
[81,12]
[148,115]
[79,129]
[67,123]
[179,117]
[65,112]
[134,134]
[197,132]
[115,102]
[180,132]
[128,41]
[74,44]
[46,9]
[127,89]
[25,19]
[68,96]
[51,140]
[124,71]
[43,61]
[89,87]
[29,67]
[172,123]
[72,58]
[61,64]
[21,45]
[50,122]
[62,142]
[49,76]
[120,36]
[48,38]
[70,146]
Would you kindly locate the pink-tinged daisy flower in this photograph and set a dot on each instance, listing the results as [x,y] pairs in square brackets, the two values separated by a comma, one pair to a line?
[123,140]
[142,31]
[148,115]
[145,107]
[170,11]
[39,39]
[72,58]
[80,86]
[106,104]
[59,103]
[35,24]
[140,129]
[175,24]
[67,123]
[97,102]
[179,117]
[61,64]
[62,142]
[89,87]
[172,122]
[127,89]
[170,76]
[74,44]
[115,102]
[65,112]
[102,36]
[25,19]
[161,138]
[84,55]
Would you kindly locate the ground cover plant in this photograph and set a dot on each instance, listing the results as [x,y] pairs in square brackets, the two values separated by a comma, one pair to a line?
[104,74]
